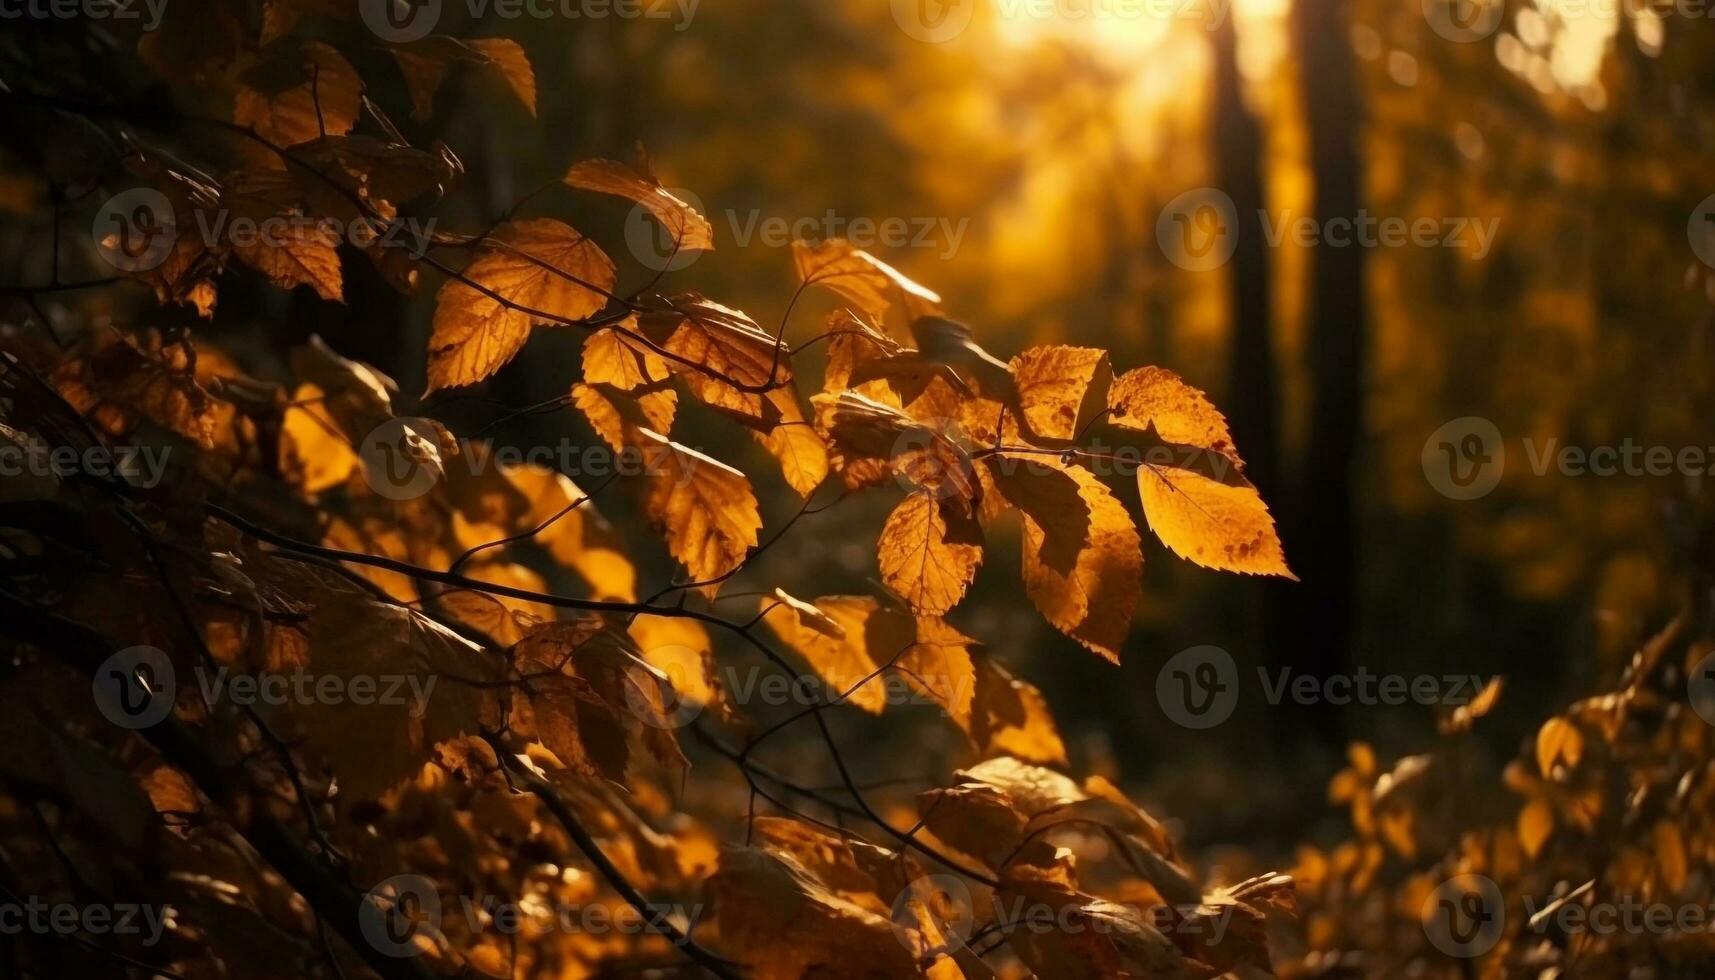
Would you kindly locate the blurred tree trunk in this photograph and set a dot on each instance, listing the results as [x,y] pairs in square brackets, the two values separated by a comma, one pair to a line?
[1251,373]
[1322,543]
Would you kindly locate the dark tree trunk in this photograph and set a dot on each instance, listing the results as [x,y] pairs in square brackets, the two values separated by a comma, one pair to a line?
[1322,542]
[1238,158]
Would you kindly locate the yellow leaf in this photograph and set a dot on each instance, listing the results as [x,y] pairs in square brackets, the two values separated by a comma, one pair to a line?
[690,230]
[811,616]
[929,556]
[618,416]
[1061,388]
[292,249]
[802,455]
[849,638]
[1559,741]
[1670,855]
[1535,825]
[1181,414]
[1083,561]
[538,269]
[706,508]
[1010,718]
[314,452]
[301,97]
[721,356]
[865,281]
[680,648]
[1210,523]
[507,60]
[611,358]
[424,63]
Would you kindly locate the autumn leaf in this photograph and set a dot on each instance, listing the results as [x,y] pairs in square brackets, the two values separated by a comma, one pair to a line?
[690,230]
[721,356]
[299,96]
[1083,563]
[315,452]
[294,250]
[1213,524]
[780,920]
[1060,389]
[795,444]
[1558,742]
[1011,717]
[538,270]
[611,358]
[619,416]
[706,508]
[506,59]
[928,555]
[850,641]
[1154,397]
[860,278]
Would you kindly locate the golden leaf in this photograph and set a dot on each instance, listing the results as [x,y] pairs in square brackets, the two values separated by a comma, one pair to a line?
[1180,414]
[506,59]
[1083,560]
[1558,741]
[690,230]
[611,358]
[859,277]
[1061,388]
[618,416]
[1535,825]
[1011,717]
[538,269]
[706,508]
[1213,524]
[929,556]
[794,443]
[295,99]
